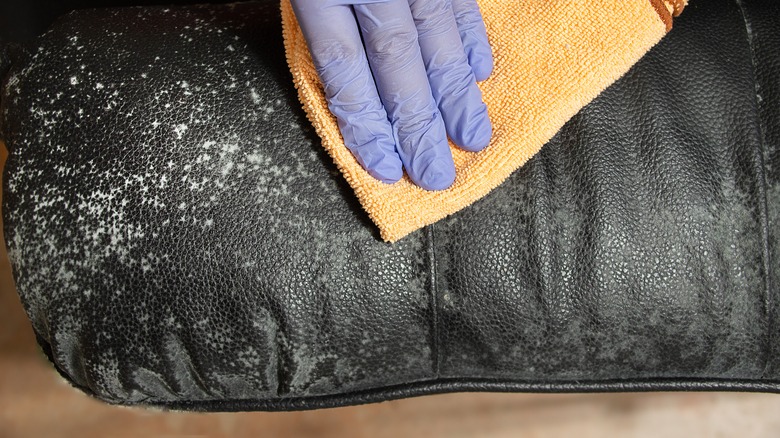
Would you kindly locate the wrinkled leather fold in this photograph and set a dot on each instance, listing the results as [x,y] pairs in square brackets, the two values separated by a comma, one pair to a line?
[179,238]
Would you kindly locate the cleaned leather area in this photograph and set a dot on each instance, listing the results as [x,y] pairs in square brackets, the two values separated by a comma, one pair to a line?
[178,238]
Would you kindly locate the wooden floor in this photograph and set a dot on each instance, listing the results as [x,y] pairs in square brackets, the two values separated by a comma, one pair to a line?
[36,402]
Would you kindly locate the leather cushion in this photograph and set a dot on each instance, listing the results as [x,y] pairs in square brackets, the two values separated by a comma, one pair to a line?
[179,239]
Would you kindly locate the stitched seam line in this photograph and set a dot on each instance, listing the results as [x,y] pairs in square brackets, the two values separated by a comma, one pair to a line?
[435,357]
[663,13]
[762,207]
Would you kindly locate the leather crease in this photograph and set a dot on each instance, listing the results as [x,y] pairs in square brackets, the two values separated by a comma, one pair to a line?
[763,204]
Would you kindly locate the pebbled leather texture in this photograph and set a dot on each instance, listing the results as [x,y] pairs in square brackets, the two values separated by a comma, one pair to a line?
[179,239]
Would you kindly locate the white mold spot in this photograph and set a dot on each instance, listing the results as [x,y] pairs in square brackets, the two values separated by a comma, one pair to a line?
[180,130]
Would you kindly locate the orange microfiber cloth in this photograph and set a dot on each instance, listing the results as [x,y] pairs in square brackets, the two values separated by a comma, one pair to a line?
[552,57]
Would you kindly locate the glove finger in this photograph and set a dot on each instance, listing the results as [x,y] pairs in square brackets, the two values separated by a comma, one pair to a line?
[451,78]
[390,38]
[474,36]
[337,51]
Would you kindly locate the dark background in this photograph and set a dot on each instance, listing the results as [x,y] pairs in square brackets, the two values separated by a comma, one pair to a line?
[22,20]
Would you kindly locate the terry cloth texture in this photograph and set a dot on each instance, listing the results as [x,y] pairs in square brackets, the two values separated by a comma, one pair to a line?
[552,57]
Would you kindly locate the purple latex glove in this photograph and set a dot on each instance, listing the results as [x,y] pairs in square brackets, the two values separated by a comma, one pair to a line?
[407,84]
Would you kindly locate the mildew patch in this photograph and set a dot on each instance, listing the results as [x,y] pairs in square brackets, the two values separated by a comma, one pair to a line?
[168,196]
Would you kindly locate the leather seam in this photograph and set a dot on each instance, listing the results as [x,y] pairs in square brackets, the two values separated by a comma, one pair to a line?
[435,358]
[763,201]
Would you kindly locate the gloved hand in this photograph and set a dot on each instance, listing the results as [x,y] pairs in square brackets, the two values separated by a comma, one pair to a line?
[425,56]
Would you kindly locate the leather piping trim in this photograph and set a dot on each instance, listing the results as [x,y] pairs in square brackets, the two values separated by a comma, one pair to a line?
[431,387]
[462,386]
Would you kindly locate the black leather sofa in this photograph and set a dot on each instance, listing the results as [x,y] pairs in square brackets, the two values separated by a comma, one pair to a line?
[177,244]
